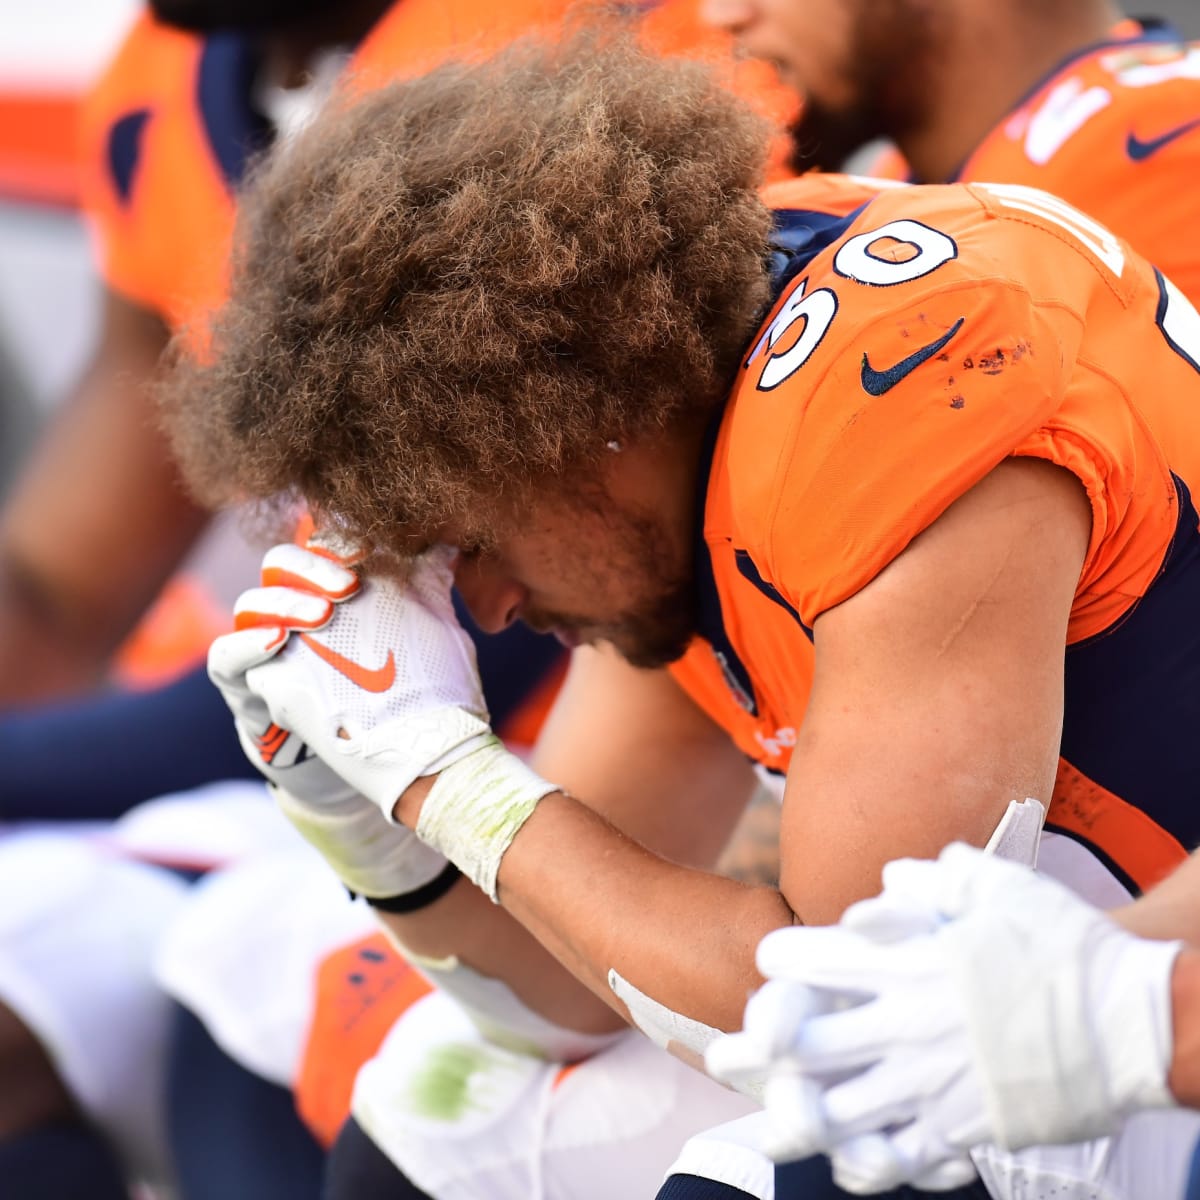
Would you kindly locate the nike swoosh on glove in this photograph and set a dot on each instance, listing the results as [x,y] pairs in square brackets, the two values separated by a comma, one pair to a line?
[372,856]
[379,727]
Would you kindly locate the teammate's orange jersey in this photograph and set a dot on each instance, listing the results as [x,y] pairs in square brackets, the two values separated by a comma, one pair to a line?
[1114,130]
[922,336]
[170,128]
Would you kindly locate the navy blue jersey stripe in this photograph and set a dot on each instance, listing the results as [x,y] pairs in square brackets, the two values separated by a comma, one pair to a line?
[1132,693]
[125,150]
[224,81]
[748,570]
[710,621]
[798,235]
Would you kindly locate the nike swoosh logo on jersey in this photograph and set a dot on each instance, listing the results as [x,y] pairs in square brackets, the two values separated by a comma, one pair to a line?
[1137,149]
[370,679]
[875,383]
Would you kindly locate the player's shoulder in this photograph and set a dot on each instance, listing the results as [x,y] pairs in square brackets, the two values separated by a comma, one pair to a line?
[866,255]
[1128,106]
[152,75]
[897,367]
[921,294]
[1151,123]
[416,35]
[152,66]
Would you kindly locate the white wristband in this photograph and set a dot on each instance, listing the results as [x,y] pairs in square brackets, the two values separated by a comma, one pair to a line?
[476,807]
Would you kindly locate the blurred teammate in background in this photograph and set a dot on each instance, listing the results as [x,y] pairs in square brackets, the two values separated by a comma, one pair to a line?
[196,89]
[1069,97]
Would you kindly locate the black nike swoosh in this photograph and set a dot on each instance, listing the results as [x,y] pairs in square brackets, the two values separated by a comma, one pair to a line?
[1139,150]
[875,383]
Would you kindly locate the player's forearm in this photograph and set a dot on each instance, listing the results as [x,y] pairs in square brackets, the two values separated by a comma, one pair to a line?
[466,924]
[599,901]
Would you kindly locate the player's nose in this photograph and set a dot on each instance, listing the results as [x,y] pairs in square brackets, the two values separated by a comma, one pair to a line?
[493,598]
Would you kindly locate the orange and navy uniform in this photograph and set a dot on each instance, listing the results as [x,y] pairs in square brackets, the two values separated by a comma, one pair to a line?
[169,130]
[1115,131]
[168,134]
[920,337]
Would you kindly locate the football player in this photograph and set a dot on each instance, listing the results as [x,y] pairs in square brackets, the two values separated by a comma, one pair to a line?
[885,489]
[1069,97]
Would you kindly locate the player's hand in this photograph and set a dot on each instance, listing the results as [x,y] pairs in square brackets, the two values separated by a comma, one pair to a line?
[382,687]
[372,856]
[378,681]
[973,1001]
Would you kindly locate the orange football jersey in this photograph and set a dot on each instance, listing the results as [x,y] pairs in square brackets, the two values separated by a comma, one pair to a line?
[170,128]
[921,336]
[1114,130]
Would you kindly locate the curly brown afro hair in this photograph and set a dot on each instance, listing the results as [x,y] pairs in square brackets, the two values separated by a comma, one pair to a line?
[464,285]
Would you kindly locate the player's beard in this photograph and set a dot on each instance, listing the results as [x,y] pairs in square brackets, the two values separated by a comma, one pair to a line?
[823,139]
[658,625]
[658,628]
[659,633]
[247,16]
[893,46]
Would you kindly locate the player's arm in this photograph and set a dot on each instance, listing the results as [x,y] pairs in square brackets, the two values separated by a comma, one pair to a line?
[1184,1075]
[1171,909]
[938,689]
[938,699]
[628,741]
[96,523]
[639,754]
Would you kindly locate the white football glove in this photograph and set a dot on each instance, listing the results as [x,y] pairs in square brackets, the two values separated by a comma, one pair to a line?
[973,1001]
[372,856]
[385,690]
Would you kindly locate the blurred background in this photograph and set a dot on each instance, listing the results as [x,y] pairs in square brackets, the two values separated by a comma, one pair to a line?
[49,53]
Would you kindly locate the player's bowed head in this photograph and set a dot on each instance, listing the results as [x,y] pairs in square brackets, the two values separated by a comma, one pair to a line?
[460,290]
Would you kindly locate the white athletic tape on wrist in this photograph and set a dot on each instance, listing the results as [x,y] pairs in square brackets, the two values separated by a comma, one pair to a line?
[476,807]
[680,1035]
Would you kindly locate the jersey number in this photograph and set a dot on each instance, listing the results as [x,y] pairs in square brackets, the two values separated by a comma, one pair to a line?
[897,252]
